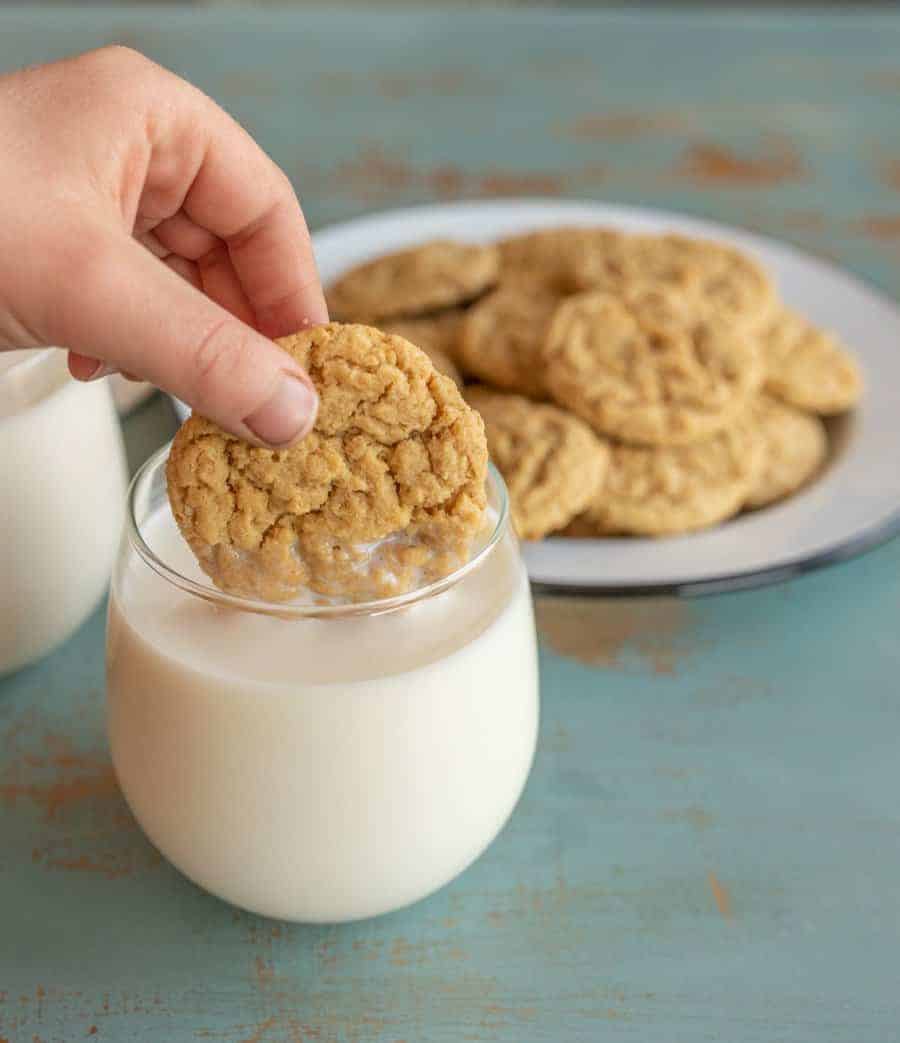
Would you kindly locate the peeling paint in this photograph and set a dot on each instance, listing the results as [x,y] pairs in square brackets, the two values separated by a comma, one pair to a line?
[601,633]
[112,870]
[881,227]
[622,126]
[260,1031]
[708,163]
[720,895]
[694,816]
[496,1015]
[56,796]
[884,81]
[264,972]
[84,826]
[374,175]
[510,183]
[446,82]
[77,777]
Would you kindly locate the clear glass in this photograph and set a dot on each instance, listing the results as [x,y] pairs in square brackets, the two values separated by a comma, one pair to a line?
[63,476]
[318,763]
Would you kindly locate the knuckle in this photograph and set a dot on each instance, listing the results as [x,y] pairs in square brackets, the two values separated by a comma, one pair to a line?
[118,56]
[116,72]
[283,185]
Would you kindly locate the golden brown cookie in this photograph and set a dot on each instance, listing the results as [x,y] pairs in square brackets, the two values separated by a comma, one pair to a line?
[437,336]
[796,445]
[581,528]
[554,257]
[666,491]
[646,367]
[502,338]
[553,463]
[435,275]
[808,367]
[395,456]
[724,281]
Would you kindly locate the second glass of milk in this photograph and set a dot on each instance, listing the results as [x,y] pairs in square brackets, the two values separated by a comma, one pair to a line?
[318,763]
[63,479]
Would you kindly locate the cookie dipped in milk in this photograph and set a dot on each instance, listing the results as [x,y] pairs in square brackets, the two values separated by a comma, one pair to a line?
[322,678]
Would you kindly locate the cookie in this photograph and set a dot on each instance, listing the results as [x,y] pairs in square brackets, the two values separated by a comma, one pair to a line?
[667,491]
[796,445]
[807,367]
[438,274]
[553,257]
[553,464]
[723,280]
[645,367]
[436,336]
[502,338]
[395,456]
[581,528]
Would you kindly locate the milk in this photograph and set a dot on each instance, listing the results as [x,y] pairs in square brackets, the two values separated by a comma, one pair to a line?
[62,487]
[320,769]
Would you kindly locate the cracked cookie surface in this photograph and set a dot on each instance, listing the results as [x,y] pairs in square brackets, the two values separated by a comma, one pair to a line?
[644,367]
[807,367]
[409,283]
[552,463]
[554,257]
[385,494]
[723,281]
[796,446]
[502,338]
[436,336]
[670,490]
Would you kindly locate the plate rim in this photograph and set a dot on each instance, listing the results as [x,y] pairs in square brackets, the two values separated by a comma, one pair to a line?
[737,582]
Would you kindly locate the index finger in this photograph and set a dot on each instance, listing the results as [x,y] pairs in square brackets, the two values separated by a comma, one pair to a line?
[242,197]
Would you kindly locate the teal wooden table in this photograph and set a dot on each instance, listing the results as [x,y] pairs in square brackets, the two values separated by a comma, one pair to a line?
[709,846]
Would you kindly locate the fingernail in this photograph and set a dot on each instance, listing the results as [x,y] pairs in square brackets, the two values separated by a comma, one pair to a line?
[100,370]
[288,415]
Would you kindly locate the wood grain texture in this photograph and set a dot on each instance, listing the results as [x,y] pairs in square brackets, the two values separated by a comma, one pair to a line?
[708,848]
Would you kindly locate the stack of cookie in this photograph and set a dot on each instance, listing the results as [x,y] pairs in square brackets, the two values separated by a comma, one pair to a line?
[631,385]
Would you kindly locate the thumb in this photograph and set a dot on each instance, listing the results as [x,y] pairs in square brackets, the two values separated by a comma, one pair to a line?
[120,305]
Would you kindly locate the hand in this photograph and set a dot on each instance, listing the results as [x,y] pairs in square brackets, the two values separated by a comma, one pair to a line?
[144,230]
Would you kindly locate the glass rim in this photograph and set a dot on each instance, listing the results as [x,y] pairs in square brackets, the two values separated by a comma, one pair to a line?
[379,606]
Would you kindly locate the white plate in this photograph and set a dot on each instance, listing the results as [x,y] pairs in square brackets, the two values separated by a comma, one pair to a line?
[854,505]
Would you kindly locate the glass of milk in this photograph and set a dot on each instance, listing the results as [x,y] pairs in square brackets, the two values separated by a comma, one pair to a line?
[318,762]
[63,482]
